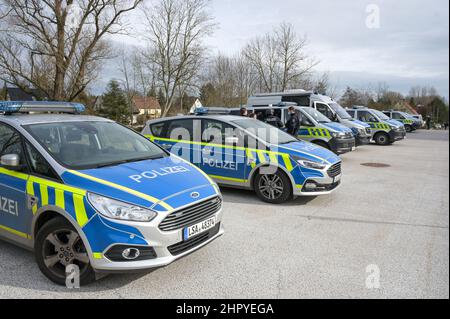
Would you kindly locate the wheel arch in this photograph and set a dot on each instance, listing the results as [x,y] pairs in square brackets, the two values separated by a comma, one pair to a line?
[254,171]
[48,213]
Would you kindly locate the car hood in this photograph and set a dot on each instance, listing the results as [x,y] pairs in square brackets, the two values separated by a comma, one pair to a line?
[163,184]
[308,150]
[395,123]
[337,127]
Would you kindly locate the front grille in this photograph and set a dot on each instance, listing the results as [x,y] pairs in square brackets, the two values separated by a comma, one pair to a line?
[183,246]
[334,170]
[191,215]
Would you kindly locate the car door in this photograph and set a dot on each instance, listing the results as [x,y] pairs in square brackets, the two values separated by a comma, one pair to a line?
[176,136]
[223,152]
[15,207]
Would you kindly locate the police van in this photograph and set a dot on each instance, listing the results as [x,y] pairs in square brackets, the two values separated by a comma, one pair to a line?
[246,153]
[314,126]
[324,104]
[86,192]
[411,124]
[384,130]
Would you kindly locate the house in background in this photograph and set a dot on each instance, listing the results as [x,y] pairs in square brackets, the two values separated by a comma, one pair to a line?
[404,106]
[145,108]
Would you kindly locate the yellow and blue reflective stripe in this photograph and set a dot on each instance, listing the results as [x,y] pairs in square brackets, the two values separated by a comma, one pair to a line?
[125,189]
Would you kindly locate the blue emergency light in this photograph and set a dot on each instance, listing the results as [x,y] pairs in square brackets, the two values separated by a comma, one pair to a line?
[211,110]
[10,107]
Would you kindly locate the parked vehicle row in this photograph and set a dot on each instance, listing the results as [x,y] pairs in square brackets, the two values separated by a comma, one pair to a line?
[86,192]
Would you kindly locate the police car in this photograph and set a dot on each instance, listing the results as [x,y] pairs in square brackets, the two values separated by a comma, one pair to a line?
[411,124]
[86,191]
[322,103]
[384,130]
[314,126]
[246,153]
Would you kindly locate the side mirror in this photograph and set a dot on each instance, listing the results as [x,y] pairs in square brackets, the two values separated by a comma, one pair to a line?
[11,162]
[231,140]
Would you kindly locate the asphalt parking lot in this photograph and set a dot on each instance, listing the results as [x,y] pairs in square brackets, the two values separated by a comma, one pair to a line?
[394,218]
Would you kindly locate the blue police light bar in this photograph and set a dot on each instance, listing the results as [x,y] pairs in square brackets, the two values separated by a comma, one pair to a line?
[10,107]
[211,110]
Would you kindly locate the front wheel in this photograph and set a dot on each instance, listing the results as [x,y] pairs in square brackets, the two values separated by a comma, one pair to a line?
[382,139]
[273,188]
[408,128]
[59,245]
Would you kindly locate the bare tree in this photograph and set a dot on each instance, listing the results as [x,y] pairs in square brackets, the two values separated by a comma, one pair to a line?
[56,45]
[279,58]
[175,30]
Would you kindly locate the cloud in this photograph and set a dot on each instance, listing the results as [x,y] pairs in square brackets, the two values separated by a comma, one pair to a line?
[411,46]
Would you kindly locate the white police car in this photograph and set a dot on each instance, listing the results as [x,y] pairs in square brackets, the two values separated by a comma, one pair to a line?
[86,191]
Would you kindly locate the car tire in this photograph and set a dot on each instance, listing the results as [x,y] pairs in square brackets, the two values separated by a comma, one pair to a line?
[382,138]
[273,188]
[408,128]
[58,245]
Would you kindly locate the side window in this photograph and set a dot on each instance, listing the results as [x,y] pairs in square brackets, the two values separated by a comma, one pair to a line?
[158,129]
[180,130]
[304,120]
[396,116]
[216,132]
[366,116]
[324,109]
[38,163]
[10,142]
[351,112]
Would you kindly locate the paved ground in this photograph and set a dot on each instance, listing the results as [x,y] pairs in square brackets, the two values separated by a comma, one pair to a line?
[396,218]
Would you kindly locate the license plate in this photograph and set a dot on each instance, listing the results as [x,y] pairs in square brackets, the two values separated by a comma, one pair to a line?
[337,179]
[199,228]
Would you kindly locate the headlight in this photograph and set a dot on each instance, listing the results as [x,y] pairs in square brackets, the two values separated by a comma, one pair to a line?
[119,210]
[338,134]
[308,163]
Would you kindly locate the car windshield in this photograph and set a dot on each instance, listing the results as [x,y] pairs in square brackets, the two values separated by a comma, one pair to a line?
[316,115]
[340,111]
[85,145]
[265,132]
[381,115]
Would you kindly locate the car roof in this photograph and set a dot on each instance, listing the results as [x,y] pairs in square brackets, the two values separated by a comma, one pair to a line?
[26,119]
[219,117]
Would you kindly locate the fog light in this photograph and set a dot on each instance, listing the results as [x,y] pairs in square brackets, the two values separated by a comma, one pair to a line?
[310,186]
[131,253]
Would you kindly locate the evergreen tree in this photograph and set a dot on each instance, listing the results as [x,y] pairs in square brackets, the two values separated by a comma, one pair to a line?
[114,104]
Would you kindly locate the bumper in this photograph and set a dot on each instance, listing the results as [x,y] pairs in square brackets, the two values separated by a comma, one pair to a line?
[324,186]
[363,140]
[342,145]
[397,135]
[167,245]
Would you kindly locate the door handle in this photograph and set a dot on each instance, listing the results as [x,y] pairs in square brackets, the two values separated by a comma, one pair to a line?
[32,201]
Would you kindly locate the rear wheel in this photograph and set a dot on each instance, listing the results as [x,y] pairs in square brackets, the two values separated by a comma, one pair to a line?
[273,188]
[382,138]
[59,245]
[408,128]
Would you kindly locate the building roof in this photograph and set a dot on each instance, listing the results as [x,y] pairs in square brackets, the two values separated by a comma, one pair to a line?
[146,103]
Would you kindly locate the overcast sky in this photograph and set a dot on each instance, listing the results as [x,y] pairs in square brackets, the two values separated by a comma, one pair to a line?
[410,47]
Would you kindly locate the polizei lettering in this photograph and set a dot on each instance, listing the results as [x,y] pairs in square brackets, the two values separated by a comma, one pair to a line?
[155,173]
[9,206]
